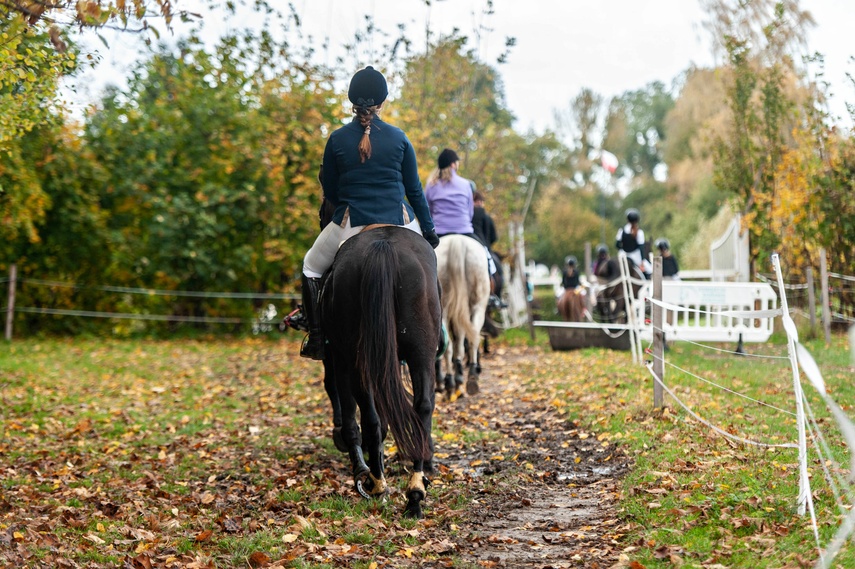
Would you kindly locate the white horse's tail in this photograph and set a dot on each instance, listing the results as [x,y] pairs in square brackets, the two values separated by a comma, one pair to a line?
[458,290]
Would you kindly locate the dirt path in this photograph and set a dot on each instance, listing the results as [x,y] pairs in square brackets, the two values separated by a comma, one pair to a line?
[561,512]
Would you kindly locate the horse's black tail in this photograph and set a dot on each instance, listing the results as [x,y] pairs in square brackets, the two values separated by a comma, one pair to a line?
[377,355]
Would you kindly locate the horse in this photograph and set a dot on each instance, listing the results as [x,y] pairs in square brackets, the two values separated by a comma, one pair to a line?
[465,278]
[572,305]
[380,304]
[611,302]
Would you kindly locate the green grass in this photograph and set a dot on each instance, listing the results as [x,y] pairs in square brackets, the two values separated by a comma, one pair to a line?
[691,492]
[236,432]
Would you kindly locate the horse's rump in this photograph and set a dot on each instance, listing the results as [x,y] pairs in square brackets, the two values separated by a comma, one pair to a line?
[465,278]
[452,263]
[380,305]
[571,305]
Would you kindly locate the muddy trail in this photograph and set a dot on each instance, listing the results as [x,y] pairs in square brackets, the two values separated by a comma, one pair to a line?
[554,505]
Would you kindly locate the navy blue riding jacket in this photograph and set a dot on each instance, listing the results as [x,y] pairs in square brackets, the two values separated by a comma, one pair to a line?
[373,191]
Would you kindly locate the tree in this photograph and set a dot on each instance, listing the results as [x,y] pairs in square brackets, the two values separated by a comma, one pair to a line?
[566,219]
[30,71]
[449,98]
[214,161]
[69,242]
[635,128]
[120,14]
[29,76]
[579,127]
[761,107]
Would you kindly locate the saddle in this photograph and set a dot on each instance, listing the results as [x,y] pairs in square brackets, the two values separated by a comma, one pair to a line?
[296,319]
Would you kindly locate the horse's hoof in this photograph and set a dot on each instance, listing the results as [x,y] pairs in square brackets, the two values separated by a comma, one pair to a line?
[414,505]
[369,487]
[449,383]
[338,440]
[472,386]
[362,482]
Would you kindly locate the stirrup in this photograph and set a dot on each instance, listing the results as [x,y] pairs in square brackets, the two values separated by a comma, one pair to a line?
[313,347]
[296,320]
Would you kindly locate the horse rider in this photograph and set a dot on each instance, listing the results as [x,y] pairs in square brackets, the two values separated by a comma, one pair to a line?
[485,229]
[605,267]
[570,275]
[369,166]
[630,239]
[670,267]
[449,197]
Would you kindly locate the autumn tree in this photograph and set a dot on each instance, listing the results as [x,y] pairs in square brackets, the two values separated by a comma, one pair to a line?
[759,39]
[29,76]
[214,160]
[450,98]
[635,128]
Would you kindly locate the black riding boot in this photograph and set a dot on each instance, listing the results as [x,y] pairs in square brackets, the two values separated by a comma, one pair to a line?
[313,346]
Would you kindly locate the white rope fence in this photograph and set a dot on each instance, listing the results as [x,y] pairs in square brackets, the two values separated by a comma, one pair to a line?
[800,362]
[161,292]
[263,322]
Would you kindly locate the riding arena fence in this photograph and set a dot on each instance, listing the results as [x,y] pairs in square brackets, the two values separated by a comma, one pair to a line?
[724,312]
[264,318]
[808,427]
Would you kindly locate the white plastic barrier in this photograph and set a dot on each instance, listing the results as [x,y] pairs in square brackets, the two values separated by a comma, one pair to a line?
[687,307]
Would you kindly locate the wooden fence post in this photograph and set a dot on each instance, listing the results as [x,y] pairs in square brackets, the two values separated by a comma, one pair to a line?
[658,333]
[826,309]
[10,302]
[811,300]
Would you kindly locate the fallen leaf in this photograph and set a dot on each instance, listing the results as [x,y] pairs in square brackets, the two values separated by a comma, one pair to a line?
[258,559]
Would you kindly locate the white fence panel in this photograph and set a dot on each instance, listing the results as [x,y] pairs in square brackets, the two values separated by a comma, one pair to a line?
[689,318]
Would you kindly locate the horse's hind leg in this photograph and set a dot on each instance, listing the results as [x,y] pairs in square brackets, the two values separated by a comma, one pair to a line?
[332,393]
[423,403]
[474,367]
[371,484]
[448,378]
[416,492]
[349,429]
[458,373]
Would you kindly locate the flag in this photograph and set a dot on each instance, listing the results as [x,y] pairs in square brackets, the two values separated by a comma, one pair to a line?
[609,161]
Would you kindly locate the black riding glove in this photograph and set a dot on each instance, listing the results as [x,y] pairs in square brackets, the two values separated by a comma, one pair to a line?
[431,238]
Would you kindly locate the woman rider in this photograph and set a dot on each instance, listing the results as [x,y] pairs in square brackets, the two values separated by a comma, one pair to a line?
[368,168]
[630,239]
[450,198]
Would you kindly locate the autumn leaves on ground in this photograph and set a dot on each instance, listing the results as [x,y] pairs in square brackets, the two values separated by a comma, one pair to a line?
[217,453]
[176,454]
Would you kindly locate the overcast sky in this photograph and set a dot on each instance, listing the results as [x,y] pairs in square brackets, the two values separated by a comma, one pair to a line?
[610,46]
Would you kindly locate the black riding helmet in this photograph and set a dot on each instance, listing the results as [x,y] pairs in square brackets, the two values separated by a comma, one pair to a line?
[570,260]
[632,215]
[602,251]
[662,244]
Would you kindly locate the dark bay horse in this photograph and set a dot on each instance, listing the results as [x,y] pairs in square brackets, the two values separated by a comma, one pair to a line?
[379,306]
[611,301]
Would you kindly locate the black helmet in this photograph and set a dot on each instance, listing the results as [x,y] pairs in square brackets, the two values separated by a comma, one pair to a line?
[367,88]
[570,260]
[602,250]
[632,215]
[662,244]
